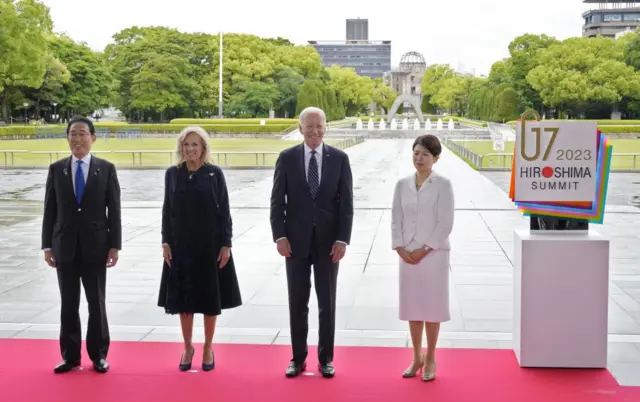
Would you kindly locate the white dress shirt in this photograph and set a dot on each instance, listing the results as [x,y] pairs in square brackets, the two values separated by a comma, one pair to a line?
[307,159]
[422,217]
[85,169]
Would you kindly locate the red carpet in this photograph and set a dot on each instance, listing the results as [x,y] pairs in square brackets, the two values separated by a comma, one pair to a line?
[142,371]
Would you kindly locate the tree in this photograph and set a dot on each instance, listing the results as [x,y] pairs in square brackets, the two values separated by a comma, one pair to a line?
[24,26]
[90,84]
[577,71]
[355,91]
[524,51]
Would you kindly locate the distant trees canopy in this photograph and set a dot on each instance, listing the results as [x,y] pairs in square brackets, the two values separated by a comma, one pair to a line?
[158,73]
[574,78]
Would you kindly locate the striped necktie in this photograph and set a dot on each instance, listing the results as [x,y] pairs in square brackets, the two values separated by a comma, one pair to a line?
[314,177]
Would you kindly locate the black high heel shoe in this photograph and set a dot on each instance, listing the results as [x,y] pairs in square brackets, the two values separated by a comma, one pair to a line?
[186,366]
[209,366]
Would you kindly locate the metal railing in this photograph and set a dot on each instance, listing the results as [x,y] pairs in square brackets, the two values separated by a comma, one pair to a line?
[10,153]
[58,153]
[221,158]
[473,158]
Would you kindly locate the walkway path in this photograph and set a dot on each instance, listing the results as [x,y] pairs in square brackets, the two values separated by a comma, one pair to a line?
[481,297]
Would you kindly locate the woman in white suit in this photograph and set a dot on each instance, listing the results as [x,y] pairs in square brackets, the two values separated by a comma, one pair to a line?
[421,221]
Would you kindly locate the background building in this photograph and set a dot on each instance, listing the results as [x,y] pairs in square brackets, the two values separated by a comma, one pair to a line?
[611,17]
[407,78]
[368,58]
[357,29]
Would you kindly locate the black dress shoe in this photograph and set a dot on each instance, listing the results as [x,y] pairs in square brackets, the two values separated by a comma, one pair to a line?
[66,366]
[295,369]
[186,366]
[101,366]
[209,366]
[327,370]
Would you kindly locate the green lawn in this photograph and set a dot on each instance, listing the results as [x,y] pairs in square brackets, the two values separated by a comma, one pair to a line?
[252,149]
[620,146]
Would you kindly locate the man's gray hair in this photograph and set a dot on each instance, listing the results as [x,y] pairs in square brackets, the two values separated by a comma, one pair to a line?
[312,110]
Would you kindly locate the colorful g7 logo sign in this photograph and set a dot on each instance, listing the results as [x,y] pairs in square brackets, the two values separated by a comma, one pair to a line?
[538,131]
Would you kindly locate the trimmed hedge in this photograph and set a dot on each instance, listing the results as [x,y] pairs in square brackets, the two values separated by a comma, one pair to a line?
[148,128]
[468,122]
[619,129]
[606,122]
[611,129]
[217,122]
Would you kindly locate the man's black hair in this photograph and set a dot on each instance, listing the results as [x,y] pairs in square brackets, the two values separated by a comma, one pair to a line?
[81,119]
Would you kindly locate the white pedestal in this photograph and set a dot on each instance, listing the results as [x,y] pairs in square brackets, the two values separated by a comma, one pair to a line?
[561,299]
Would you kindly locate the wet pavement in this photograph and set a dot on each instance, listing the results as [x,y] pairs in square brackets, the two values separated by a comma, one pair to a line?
[367,311]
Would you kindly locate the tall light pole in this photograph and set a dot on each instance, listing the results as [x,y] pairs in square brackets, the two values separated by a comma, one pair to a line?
[220,83]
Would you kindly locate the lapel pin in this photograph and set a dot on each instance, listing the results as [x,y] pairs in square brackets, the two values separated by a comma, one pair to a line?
[211,174]
[64,171]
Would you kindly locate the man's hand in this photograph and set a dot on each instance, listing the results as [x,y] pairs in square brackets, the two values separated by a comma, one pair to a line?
[406,256]
[223,256]
[49,258]
[284,248]
[166,254]
[112,258]
[337,251]
[419,254]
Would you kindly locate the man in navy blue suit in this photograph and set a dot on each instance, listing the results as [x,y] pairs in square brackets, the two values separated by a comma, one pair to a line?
[311,221]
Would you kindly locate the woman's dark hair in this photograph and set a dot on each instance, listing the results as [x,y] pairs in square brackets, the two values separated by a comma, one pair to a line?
[81,119]
[430,142]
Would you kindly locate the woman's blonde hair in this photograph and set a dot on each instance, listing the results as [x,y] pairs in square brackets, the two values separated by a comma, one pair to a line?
[204,138]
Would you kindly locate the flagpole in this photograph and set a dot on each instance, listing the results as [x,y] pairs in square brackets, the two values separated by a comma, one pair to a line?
[220,83]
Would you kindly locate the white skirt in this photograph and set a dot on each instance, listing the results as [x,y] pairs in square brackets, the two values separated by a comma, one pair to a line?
[424,288]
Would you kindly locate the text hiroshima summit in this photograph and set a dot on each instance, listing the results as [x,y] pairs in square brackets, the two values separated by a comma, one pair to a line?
[557,178]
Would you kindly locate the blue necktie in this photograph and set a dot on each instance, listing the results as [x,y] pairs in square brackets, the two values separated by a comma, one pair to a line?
[79,182]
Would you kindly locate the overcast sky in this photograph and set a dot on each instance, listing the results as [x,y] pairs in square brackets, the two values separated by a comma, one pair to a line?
[475,33]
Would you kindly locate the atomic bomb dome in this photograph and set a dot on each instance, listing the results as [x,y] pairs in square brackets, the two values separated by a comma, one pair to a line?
[406,80]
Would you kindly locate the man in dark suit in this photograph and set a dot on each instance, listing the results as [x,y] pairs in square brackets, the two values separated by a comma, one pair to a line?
[81,236]
[311,221]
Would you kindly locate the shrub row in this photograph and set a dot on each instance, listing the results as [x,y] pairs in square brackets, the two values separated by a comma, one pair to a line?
[600,122]
[148,128]
[619,129]
[234,121]
[631,129]
[470,122]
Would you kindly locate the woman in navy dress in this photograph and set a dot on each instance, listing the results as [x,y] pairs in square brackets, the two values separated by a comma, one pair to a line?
[198,275]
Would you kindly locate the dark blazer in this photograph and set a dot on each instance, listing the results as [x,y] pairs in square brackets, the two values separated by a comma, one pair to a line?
[227,282]
[219,194]
[293,211]
[87,231]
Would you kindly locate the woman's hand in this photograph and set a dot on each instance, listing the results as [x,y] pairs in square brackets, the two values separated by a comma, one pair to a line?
[406,257]
[223,256]
[419,254]
[166,253]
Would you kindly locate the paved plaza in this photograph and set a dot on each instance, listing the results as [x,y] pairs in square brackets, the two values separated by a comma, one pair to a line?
[367,312]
